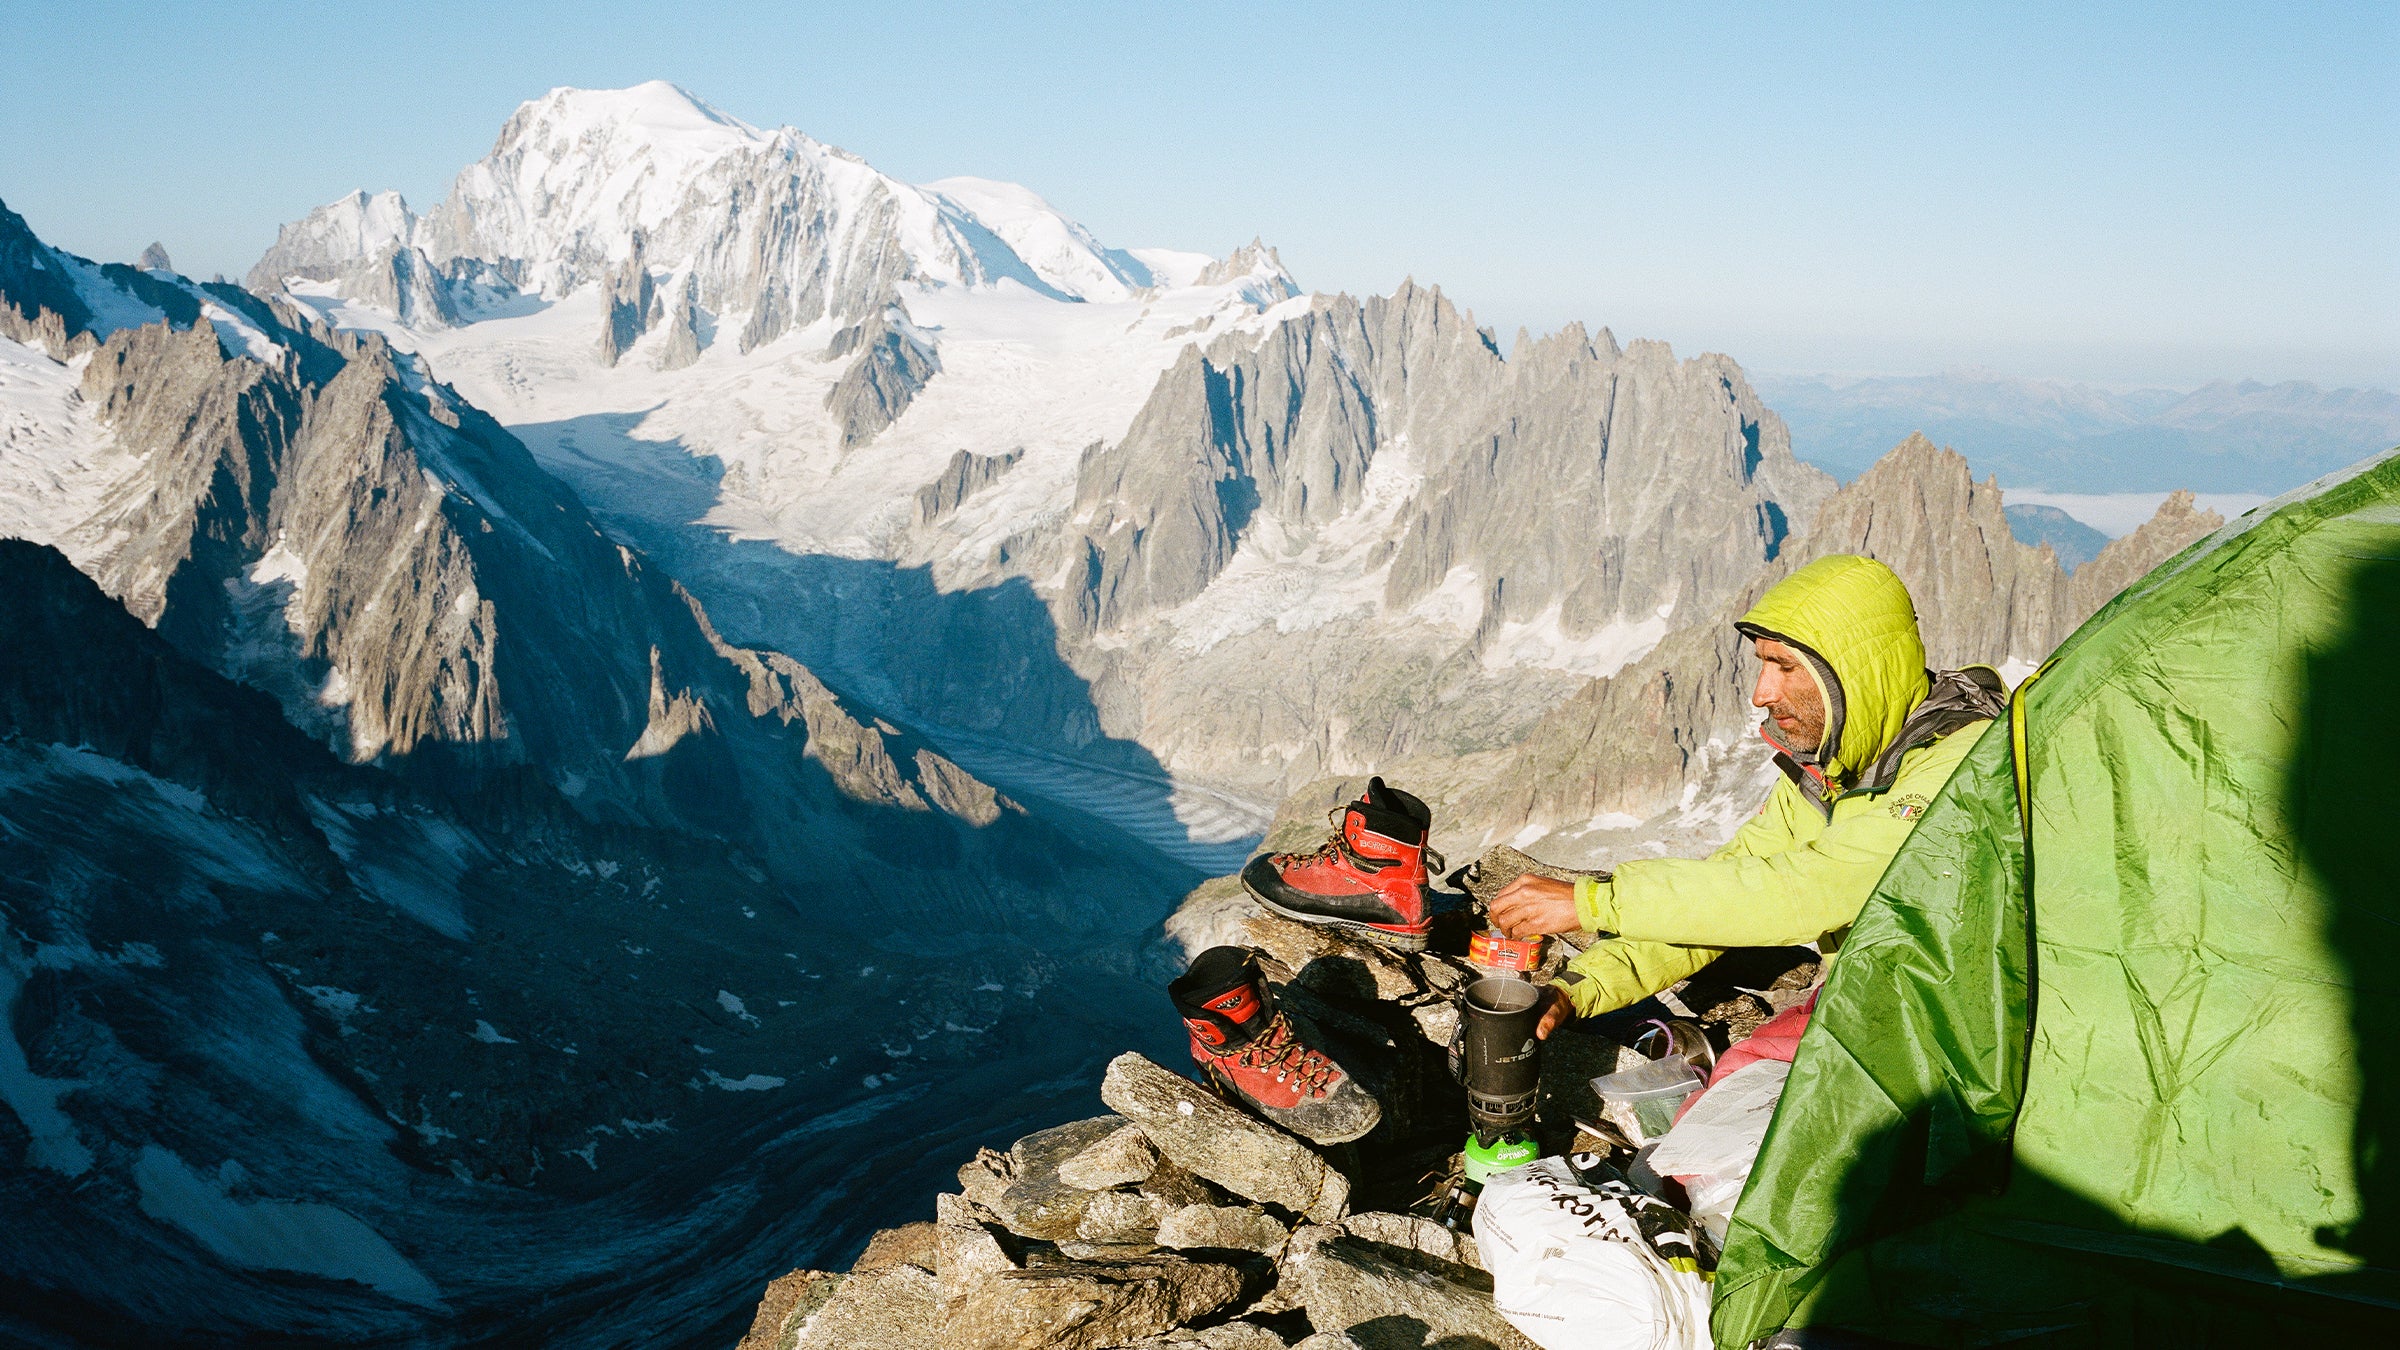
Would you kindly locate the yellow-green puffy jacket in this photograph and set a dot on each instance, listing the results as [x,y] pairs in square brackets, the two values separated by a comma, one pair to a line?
[1800,871]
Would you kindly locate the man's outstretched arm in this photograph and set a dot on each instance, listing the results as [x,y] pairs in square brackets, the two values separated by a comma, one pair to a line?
[1617,972]
[1782,899]
[1533,904]
[1612,974]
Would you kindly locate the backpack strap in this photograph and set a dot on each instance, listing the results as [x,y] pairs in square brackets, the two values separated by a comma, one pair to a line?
[1955,699]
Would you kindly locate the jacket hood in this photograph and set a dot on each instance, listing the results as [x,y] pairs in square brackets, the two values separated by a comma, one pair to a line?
[1854,617]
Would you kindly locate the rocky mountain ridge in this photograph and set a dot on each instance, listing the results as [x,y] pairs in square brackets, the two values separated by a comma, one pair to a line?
[1372,499]
[1330,535]
[334,527]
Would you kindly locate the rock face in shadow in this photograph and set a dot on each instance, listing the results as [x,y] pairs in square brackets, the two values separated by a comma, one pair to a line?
[303,984]
[288,837]
[78,670]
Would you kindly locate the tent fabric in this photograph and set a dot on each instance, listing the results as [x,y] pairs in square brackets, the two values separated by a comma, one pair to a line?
[2131,1075]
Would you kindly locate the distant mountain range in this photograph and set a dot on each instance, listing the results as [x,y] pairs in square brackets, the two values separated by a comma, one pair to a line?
[2222,437]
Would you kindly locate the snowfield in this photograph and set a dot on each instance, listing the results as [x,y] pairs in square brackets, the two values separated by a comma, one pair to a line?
[58,463]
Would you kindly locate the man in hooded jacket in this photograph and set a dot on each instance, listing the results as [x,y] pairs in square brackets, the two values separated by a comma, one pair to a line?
[1865,736]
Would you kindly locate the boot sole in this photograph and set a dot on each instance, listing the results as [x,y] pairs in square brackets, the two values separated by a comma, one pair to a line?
[1406,942]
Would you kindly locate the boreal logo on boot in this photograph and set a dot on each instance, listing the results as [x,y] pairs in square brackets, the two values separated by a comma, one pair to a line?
[1238,1006]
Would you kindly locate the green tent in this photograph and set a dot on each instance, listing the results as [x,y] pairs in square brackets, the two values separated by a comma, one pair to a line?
[2132,1075]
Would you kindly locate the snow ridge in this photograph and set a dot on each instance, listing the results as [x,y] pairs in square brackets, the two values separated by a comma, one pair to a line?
[773,228]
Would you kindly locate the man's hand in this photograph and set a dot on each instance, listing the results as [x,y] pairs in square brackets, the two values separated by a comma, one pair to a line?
[1531,906]
[1556,1012]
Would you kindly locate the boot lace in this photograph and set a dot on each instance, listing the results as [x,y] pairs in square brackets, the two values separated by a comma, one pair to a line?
[1278,1049]
[1336,844]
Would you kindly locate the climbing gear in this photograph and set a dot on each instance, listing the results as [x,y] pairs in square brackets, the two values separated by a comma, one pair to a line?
[1368,877]
[1258,1053]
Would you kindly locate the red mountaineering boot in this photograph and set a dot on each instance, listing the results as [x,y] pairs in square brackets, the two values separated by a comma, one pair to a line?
[1369,877]
[1255,1051]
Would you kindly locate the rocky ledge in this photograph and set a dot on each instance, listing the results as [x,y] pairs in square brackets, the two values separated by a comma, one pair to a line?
[1180,1220]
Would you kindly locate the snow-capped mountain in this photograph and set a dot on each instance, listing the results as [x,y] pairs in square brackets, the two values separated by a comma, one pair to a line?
[1254,538]
[757,232]
[1247,520]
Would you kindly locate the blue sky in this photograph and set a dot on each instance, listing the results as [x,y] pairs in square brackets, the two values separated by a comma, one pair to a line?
[2121,194]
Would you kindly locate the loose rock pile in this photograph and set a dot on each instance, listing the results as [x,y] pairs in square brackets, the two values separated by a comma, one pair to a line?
[1182,1222]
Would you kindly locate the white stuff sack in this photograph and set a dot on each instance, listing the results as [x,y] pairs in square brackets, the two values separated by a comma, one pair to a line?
[1572,1268]
[1712,1149]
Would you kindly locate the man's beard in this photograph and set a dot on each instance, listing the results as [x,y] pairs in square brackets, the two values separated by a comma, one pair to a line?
[1805,737]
